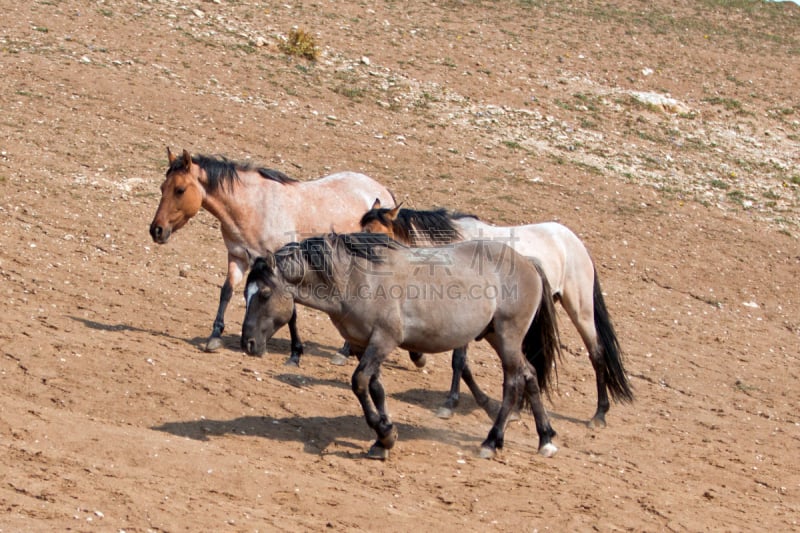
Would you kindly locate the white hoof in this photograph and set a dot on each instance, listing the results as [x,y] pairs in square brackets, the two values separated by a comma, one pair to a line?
[444,412]
[548,450]
[339,359]
[487,453]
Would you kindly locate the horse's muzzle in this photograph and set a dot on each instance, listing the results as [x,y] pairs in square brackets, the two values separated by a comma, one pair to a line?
[159,234]
[250,346]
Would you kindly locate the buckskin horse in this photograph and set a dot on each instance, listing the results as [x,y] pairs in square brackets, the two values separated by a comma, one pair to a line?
[259,210]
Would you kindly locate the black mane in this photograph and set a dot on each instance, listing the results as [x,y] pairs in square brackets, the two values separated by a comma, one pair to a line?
[317,251]
[436,225]
[221,171]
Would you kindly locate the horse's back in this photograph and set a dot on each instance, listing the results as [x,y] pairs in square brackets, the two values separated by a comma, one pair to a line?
[330,203]
[352,186]
[558,250]
[435,299]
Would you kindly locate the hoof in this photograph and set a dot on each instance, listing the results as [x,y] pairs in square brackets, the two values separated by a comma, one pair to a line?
[487,453]
[389,440]
[597,422]
[378,452]
[548,450]
[444,412]
[292,362]
[339,360]
[420,361]
[213,344]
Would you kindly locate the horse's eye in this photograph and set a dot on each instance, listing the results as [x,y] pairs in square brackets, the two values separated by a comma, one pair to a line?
[265,293]
[180,190]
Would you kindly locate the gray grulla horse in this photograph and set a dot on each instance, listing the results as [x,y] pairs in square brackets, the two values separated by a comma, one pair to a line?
[381,295]
[259,210]
[565,262]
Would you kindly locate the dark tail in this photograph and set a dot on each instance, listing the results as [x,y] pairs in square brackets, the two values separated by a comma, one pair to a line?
[615,377]
[542,344]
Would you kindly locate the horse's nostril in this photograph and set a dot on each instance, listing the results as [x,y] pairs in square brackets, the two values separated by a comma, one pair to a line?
[251,346]
[156,231]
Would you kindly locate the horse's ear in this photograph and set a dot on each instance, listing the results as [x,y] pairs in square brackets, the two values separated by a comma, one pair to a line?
[250,258]
[187,160]
[269,259]
[170,156]
[377,204]
[392,213]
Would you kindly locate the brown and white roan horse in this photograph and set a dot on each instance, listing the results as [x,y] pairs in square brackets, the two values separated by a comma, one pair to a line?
[565,262]
[259,210]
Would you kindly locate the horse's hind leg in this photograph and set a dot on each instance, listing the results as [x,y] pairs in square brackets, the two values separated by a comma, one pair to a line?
[579,305]
[367,387]
[458,364]
[417,358]
[512,387]
[461,370]
[296,343]
[543,427]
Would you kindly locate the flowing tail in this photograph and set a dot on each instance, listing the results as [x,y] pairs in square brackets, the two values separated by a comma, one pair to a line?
[542,344]
[615,377]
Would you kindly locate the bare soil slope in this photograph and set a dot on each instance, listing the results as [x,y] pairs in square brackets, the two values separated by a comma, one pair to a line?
[666,134]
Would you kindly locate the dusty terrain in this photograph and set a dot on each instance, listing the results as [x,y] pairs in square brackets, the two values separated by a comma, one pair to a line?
[111,416]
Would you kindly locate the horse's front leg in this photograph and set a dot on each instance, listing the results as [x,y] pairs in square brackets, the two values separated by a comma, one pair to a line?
[367,386]
[296,343]
[236,269]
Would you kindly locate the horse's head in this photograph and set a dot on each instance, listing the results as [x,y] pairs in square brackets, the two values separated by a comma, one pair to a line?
[269,304]
[181,197]
[379,219]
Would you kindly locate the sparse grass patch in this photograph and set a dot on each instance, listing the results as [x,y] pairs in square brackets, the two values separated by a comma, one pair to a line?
[353,93]
[588,168]
[728,103]
[41,29]
[248,48]
[720,184]
[300,43]
[739,197]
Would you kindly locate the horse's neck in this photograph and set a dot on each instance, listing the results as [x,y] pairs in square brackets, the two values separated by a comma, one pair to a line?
[316,293]
[246,209]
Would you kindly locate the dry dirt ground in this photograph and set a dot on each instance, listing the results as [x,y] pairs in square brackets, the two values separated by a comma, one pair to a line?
[111,416]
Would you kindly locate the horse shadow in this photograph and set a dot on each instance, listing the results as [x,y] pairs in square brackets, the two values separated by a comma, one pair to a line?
[341,436]
[432,400]
[91,324]
[230,342]
[426,398]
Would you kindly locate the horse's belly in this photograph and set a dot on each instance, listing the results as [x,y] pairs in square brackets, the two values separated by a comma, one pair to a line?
[444,328]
